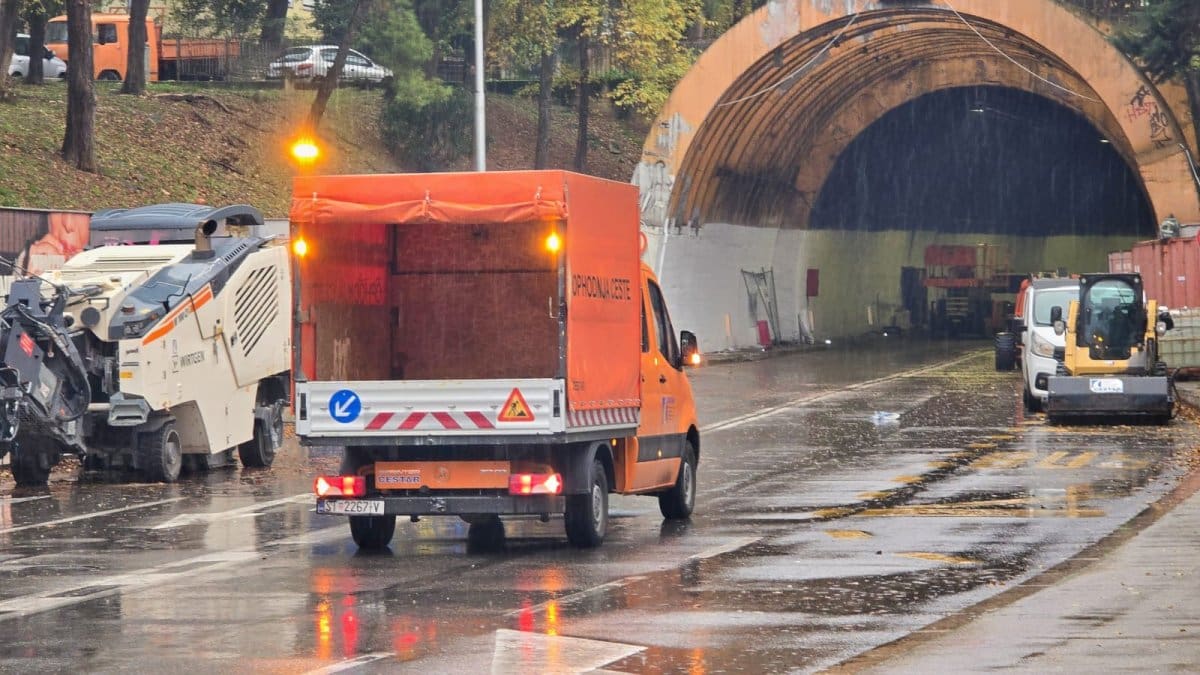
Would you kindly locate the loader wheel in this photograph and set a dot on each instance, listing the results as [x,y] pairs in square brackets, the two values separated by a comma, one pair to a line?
[678,502]
[161,454]
[32,461]
[586,518]
[372,532]
[259,451]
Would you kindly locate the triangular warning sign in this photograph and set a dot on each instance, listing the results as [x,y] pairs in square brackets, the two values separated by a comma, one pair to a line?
[515,409]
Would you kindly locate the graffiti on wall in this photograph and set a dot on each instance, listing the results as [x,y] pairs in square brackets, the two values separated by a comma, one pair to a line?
[1143,106]
[40,241]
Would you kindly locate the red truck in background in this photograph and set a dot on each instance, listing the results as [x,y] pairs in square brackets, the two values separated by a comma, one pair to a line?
[170,59]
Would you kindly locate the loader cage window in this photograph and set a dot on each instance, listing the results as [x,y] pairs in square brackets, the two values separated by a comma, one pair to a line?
[1111,321]
[431,302]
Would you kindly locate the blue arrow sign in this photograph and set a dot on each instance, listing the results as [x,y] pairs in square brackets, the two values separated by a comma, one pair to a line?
[344,406]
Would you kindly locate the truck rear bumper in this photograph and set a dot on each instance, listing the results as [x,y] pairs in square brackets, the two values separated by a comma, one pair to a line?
[1118,396]
[453,505]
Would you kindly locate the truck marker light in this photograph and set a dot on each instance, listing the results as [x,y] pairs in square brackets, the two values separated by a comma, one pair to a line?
[535,484]
[553,242]
[340,486]
[695,358]
[300,247]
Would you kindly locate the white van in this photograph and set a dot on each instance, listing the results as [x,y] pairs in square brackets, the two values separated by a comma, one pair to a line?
[53,68]
[1036,335]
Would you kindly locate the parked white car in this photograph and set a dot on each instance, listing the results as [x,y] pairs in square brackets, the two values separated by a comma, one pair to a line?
[52,66]
[313,61]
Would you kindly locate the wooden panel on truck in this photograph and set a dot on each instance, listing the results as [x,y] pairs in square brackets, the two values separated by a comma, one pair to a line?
[603,294]
[474,301]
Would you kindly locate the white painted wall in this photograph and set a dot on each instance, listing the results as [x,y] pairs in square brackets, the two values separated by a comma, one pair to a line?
[701,274]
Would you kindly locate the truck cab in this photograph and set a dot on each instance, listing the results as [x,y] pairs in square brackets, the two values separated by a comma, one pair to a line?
[110,45]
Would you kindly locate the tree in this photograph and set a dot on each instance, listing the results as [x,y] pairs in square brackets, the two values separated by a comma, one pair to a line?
[78,147]
[1165,38]
[518,32]
[37,15]
[332,74]
[651,48]
[135,63]
[9,10]
[273,24]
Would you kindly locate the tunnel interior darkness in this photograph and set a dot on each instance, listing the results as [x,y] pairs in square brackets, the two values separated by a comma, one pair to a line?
[983,160]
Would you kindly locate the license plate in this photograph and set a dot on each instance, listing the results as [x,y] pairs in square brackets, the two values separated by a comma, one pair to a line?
[351,507]
[1107,385]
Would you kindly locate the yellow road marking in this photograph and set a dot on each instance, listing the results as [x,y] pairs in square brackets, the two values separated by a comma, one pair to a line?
[1002,460]
[848,534]
[907,480]
[874,495]
[939,557]
[980,446]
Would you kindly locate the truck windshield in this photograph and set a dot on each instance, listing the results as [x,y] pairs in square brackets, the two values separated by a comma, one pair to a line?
[56,31]
[1043,301]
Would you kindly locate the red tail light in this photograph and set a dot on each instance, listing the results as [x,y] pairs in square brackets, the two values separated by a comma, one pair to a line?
[304,68]
[535,484]
[340,486]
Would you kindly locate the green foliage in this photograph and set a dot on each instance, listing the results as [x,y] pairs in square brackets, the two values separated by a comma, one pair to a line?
[1165,38]
[391,35]
[234,18]
[430,126]
[650,45]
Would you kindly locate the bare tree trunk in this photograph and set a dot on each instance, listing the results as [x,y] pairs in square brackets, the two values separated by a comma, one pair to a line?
[541,157]
[37,45]
[135,62]
[78,143]
[581,141]
[9,11]
[334,72]
[274,23]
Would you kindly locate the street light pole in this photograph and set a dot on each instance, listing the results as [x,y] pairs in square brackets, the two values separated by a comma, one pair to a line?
[480,125]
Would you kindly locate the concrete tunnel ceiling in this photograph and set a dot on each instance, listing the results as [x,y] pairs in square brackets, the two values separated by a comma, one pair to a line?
[769,145]
[838,137]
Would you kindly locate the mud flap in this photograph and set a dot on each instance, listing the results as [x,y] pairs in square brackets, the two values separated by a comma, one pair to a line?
[1071,396]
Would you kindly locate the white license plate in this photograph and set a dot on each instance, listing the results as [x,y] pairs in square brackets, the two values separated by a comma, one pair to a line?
[351,507]
[1107,385]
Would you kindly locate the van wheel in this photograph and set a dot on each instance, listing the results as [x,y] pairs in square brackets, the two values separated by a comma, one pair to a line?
[259,451]
[1032,403]
[678,502]
[161,454]
[372,532]
[586,518]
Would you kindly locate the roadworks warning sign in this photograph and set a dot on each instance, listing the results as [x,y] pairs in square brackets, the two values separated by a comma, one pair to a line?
[515,409]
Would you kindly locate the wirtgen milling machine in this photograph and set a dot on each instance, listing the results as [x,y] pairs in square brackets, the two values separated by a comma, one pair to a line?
[1109,369]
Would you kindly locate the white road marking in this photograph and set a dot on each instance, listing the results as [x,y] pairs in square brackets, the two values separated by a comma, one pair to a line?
[352,663]
[725,548]
[812,398]
[18,500]
[252,510]
[182,571]
[523,652]
[86,516]
[574,597]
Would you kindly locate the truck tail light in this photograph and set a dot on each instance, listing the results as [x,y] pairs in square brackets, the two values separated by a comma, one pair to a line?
[340,486]
[535,484]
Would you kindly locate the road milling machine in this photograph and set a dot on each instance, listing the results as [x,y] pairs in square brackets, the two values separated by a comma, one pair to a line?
[1109,369]
[143,358]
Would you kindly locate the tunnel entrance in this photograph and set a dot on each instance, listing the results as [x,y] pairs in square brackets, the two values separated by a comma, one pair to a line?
[984,160]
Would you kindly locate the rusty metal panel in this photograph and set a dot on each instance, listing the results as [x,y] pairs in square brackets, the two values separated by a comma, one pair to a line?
[1120,261]
[1170,271]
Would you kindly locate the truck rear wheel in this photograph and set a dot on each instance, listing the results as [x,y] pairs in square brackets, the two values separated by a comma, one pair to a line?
[32,461]
[372,532]
[161,454]
[586,518]
[678,502]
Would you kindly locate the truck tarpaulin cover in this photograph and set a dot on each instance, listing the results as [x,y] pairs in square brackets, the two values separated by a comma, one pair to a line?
[597,221]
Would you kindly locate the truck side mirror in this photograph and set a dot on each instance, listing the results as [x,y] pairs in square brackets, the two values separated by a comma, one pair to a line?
[1060,326]
[689,347]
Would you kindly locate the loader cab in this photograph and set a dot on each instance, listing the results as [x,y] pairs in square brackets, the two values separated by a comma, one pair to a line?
[1112,316]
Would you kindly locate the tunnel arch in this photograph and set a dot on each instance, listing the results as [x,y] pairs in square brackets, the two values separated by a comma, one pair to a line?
[751,134]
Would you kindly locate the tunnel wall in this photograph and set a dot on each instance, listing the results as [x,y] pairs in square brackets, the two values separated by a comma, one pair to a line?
[857,270]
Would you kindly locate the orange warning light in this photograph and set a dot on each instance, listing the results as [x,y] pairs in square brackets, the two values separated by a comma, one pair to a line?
[553,242]
[695,358]
[300,247]
[305,151]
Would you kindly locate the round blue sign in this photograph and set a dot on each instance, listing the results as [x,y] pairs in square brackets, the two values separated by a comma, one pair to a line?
[344,406]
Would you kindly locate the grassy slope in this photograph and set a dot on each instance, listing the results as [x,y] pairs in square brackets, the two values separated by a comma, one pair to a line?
[153,150]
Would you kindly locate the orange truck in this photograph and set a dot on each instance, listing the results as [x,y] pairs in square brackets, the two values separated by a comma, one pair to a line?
[187,58]
[484,345]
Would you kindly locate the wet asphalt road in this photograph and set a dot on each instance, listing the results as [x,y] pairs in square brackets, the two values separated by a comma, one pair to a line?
[822,530]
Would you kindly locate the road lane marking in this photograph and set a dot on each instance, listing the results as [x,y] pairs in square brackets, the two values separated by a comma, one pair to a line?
[86,516]
[526,652]
[812,398]
[939,557]
[574,597]
[352,663]
[184,519]
[17,500]
[849,534]
[729,547]
[186,570]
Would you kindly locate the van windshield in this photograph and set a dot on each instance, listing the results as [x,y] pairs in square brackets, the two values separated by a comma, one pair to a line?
[1056,297]
[56,31]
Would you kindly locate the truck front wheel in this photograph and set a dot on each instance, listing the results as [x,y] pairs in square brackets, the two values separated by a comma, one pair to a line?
[678,502]
[586,518]
[372,532]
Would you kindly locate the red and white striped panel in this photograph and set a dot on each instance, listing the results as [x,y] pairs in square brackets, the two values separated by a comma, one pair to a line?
[437,421]
[602,418]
